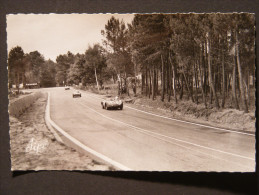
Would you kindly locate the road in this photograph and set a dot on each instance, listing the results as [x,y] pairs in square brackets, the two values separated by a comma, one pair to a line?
[146,142]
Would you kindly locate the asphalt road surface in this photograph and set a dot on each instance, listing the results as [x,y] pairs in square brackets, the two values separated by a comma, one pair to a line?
[146,142]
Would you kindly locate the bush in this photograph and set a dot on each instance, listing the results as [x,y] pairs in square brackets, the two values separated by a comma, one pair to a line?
[17,107]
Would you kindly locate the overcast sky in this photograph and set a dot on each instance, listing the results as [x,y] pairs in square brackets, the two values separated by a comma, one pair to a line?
[54,34]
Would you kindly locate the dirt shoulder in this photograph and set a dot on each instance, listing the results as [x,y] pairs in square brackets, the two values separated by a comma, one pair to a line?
[188,111]
[33,146]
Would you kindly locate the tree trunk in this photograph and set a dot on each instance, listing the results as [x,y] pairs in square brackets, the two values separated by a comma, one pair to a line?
[175,95]
[18,82]
[248,88]
[119,88]
[202,89]
[234,95]
[202,76]
[153,82]
[188,88]
[190,79]
[173,69]
[150,84]
[205,75]
[227,84]
[241,86]
[181,94]
[142,83]
[23,79]
[113,78]
[146,82]
[163,79]
[212,86]
[135,82]
[195,80]
[223,81]
[169,82]
[96,79]
[157,82]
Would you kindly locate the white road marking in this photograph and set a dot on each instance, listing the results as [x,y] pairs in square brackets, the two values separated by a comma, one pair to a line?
[78,143]
[158,134]
[47,121]
[205,153]
[192,123]
[211,127]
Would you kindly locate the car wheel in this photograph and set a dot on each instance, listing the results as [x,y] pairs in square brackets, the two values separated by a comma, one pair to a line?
[106,107]
[121,107]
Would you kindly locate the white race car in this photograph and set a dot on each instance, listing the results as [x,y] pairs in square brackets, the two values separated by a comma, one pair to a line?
[115,103]
[76,94]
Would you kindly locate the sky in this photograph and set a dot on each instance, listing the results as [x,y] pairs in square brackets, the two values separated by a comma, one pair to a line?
[55,34]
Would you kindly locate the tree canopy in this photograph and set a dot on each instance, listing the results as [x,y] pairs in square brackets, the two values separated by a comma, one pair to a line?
[207,58]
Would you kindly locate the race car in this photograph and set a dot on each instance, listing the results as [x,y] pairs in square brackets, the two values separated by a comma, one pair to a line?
[114,103]
[76,94]
[67,88]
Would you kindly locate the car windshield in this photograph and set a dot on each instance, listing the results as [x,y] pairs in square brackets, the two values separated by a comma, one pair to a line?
[114,99]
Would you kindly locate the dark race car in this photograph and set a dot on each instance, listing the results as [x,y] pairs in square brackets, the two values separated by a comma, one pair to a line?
[76,94]
[113,103]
